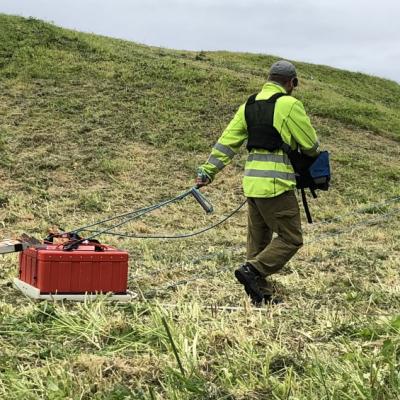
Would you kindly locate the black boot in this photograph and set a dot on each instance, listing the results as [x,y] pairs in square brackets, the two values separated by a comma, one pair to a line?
[248,276]
[256,287]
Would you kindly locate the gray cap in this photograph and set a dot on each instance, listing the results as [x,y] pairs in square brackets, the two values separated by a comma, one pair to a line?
[283,68]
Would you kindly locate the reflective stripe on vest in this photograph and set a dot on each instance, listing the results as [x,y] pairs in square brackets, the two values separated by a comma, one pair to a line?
[216,162]
[258,173]
[277,158]
[225,150]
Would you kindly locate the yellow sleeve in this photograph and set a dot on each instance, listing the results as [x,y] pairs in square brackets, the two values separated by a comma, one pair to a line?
[227,145]
[302,131]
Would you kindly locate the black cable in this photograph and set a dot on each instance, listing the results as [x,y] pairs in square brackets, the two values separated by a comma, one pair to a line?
[179,236]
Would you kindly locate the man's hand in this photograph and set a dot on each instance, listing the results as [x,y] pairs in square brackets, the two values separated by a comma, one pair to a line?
[201,181]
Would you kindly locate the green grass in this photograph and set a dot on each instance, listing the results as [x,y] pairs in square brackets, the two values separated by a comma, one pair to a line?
[92,126]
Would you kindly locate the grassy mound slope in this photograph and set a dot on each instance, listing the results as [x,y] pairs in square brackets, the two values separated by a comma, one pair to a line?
[92,126]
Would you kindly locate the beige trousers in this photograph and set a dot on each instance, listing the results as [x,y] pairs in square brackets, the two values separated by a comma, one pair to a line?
[280,215]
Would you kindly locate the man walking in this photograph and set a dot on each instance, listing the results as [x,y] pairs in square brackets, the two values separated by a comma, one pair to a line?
[273,123]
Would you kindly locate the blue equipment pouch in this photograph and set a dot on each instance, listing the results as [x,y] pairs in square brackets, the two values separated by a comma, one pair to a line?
[311,172]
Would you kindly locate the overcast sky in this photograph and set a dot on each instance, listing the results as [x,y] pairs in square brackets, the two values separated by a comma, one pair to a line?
[351,34]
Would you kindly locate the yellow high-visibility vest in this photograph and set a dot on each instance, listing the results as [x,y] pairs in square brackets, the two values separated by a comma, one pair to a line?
[266,174]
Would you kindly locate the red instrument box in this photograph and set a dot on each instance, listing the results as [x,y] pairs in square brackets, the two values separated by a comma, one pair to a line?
[83,270]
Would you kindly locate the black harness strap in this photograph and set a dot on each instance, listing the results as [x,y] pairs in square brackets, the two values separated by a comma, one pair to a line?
[314,194]
[252,98]
[272,99]
[305,205]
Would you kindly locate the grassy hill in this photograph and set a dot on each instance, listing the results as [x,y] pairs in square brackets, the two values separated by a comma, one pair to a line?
[92,126]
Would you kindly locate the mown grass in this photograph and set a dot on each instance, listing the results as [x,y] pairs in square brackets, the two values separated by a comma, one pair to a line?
[92,126]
